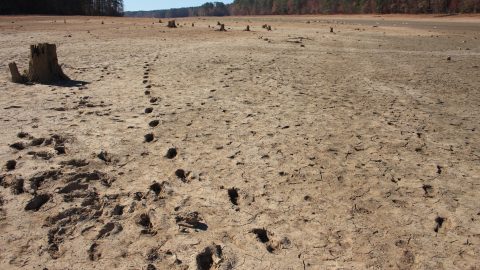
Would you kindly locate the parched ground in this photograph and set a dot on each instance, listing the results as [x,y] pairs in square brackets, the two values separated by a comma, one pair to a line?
[295,148]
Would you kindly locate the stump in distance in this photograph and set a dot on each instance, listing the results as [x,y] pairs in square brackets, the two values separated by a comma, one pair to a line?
[172,24]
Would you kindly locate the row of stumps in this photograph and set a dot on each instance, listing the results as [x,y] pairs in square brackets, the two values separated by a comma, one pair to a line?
[173,24]
[44,68]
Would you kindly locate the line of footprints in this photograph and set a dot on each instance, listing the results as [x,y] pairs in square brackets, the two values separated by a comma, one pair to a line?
[149,137]
[192,220]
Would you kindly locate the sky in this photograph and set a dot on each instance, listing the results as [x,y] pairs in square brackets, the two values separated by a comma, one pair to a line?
[134,5]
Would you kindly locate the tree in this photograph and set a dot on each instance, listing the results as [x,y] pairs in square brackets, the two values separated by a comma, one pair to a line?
[62,7]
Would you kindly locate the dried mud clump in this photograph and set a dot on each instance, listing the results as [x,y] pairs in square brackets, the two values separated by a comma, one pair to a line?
[264,237]
[233,195]
[37,202]
[109,229]
[171,153]
[438,223]
[180,173]
[105,156]
[18,146]
[145,222]
[17,186]
[11,165]
[209,258]
[191,220]
[75,163]
[156,188]
[154,123]
[149,137]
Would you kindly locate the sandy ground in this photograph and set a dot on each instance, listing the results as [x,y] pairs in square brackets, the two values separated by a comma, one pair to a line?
[291,149]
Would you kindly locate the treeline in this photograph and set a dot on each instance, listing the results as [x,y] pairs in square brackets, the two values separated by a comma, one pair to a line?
[283,7]
[207,9]
[267,7]
[63,7]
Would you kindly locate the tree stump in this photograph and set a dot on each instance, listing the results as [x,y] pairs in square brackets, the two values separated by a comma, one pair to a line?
[331,29]
[222,27]
[16,77]
[43,66]
[248,28]
[172,24]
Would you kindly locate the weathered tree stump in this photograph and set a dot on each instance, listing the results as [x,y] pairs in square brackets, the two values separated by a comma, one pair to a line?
[248,28]
[43,66]
[172,24]
[16,77]
[222,27]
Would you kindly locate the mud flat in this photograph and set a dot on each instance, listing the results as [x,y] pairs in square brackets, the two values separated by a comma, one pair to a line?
[190,148]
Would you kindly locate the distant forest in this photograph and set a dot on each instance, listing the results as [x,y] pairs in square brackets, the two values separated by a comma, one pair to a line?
[63,7]
[283,7]
[207,9]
